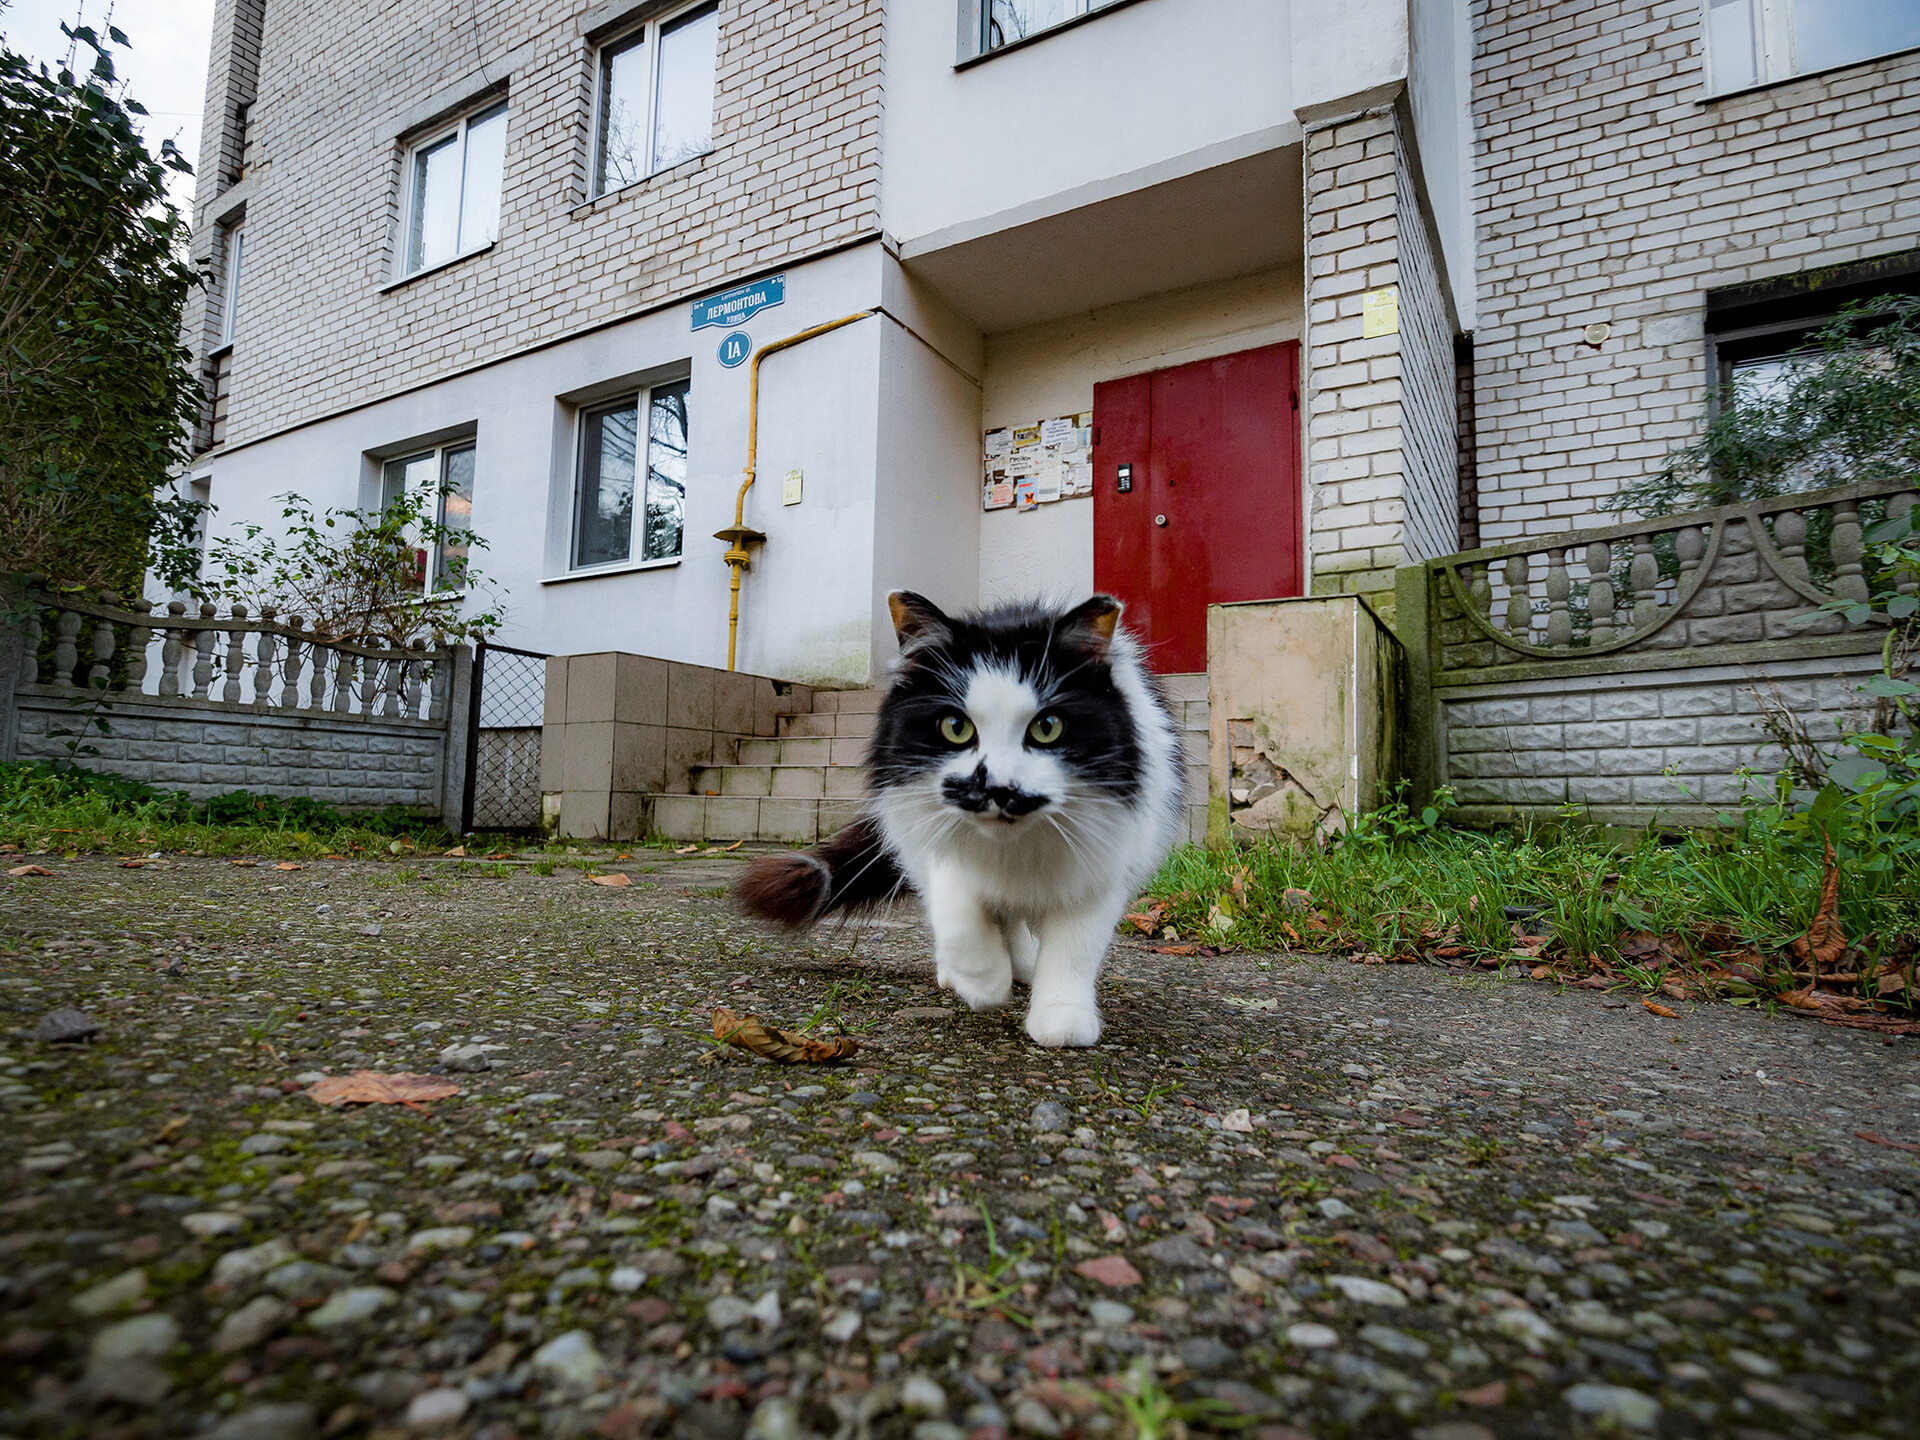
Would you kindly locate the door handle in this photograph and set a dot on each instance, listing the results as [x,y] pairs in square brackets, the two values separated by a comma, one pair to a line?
[1160,520]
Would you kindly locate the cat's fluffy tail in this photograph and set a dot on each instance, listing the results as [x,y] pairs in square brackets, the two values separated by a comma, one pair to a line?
[851,870]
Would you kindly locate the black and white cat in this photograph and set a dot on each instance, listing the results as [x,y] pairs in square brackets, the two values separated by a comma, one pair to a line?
[1024,779]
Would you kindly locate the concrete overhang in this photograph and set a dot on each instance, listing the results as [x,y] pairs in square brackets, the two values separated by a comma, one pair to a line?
[1234,208]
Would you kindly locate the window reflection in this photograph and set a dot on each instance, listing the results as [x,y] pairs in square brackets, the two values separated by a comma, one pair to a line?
[603,529]
[666,471]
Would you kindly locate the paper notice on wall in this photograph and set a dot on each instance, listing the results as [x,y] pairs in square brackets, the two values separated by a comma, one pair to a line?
[1025,435]
[1023,495]
[1046,485]
[998,442]
[1077,479]
[1024,462]
[998,495]
[1057,432]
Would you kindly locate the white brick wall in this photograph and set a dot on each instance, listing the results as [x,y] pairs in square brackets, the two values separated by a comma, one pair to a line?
[1608,189]
[794,171]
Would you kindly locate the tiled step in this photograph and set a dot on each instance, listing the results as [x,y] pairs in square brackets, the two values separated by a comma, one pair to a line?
[847,702]
[855,724]
[789,782]
[747,817]
[803,750]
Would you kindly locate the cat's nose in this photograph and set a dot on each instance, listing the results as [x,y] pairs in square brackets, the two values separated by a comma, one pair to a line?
[1013,802]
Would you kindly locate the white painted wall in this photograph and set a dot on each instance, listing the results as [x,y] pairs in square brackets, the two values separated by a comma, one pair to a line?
[1344,51]
[1121,93]
[1440,89]
[1051,369]
[807,603]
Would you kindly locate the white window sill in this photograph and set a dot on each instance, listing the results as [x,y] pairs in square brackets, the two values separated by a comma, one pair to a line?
[625,569]
[426,270]
[593,202]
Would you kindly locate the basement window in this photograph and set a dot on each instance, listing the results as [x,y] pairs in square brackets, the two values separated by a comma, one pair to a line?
[1758,42]
[617,492]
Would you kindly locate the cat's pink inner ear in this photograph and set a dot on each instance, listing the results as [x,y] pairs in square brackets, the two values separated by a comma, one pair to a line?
[915,617]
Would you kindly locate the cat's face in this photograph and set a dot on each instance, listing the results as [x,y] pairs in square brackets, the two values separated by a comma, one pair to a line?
[1004,720]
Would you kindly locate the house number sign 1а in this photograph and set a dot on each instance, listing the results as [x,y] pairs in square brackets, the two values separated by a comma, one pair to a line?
[740,304]
[735,348]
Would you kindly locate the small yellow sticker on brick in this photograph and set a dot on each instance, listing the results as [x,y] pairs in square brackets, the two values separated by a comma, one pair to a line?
[1380,312]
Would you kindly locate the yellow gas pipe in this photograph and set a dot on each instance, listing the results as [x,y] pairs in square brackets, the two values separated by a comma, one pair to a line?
[737,535]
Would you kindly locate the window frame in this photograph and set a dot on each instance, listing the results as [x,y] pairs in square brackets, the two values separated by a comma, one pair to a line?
[977,19]
[640,399]
[231,270]
[646,35]
[441,454]
[1774,40]
[456,130]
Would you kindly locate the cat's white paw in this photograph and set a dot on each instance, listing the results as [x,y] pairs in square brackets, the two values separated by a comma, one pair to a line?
[1024,946]
[1061,1025]
[988,991]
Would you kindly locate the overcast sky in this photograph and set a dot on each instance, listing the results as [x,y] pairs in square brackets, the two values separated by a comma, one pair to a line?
[166,69]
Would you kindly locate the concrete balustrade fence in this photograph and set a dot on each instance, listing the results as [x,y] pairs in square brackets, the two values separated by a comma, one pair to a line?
[206,702]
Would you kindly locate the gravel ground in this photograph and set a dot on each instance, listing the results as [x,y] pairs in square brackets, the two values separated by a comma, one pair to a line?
[1287,1192]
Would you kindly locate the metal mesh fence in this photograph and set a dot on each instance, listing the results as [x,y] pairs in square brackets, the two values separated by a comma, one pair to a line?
[508,704]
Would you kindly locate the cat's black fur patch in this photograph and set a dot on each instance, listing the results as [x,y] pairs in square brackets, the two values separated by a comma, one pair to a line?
[1063,657]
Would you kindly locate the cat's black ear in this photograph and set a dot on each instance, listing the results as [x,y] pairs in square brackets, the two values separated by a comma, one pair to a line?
[1089,626]
[917,621]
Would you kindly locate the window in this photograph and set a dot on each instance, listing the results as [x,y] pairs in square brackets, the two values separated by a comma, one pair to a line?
[609,479]
[656,98]
[453,190]
[1752,42]
[1005,22]
[443,479]
[230,284]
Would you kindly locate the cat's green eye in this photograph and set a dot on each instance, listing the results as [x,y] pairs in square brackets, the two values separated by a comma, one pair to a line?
[956,729]
[1046,729]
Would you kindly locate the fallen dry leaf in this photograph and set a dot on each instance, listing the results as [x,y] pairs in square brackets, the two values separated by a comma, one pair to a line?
[19,870]
[133,864]
[501,855]
[1660,1009]
[1885,1024]
[459,850]
[618,880]
[368,1087]
[750,1033]
[1174,949]
[244,864]
[1824,941]
[687,850]
[289,865]
[1873,1139]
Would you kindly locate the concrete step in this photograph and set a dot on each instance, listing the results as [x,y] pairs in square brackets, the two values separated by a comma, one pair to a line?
[728,818]
[856,724]
[803,750]
[843,702]
[789,782]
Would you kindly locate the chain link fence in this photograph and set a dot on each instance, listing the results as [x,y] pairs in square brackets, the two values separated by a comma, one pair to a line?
[504,716]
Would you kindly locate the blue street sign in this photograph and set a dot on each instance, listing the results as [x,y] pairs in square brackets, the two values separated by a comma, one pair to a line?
[740,304]
[735,348]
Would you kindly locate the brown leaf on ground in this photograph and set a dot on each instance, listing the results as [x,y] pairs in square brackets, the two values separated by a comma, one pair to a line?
[1885,1024]
[1824,941]
[501,855]
[1147,920]
[133,864]
[1663,1010]
[459,850]
[1873,1139]
[20,870]
[1820,1000]
[750,1033]
[618,880]
[1895,982]
[687,850]
[244,864]
[1174,949]
[369,1087]
[289,865]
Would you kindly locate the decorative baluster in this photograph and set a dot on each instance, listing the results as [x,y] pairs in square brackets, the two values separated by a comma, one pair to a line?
[1480,591]
[369,685]
[1899,506]
[265,646]
[1690,544]
[410,701]
[317,682]
[66,650]
[439,673]
[395,681]
[290,667]
[1559,619]
[139,637]
[1849,550]
[102,670]
[345,663]
[236,657]
[172,643]
[203,643]
[1600,592]
[1643,576]
[1519,600]
[30,650]
[1790,538]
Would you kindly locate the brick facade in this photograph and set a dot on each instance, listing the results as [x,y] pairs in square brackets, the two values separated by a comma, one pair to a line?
[1608,189]
[794,171]
[1380,411]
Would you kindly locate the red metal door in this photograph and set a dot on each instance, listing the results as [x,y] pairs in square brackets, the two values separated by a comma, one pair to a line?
[1210,456]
